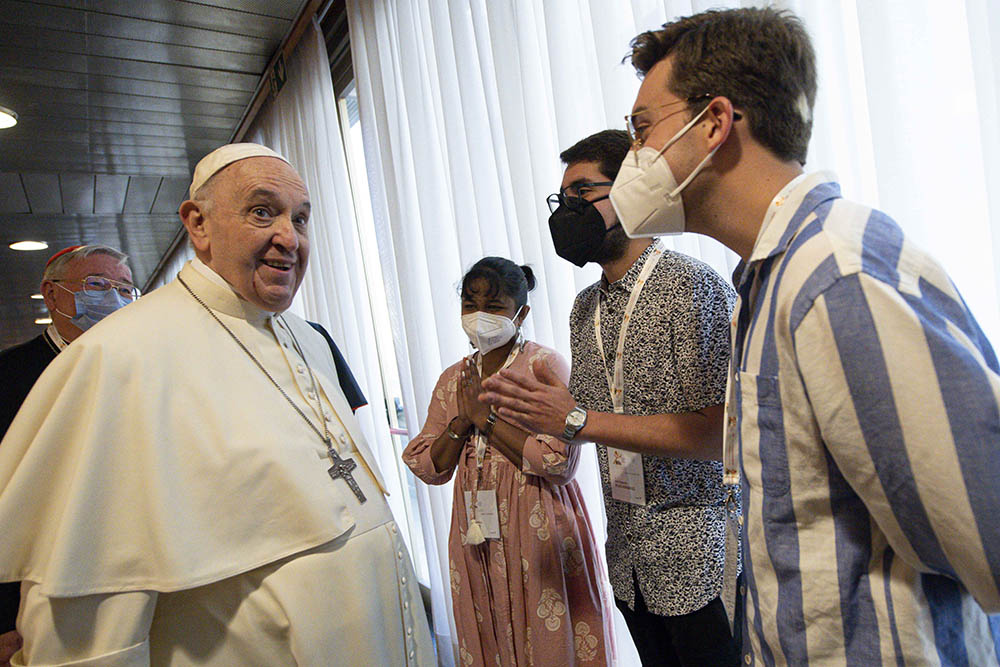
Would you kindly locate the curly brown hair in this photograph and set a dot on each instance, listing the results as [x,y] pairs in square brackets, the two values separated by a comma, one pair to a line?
[761,59]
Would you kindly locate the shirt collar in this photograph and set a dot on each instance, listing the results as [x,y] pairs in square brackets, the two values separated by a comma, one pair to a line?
[786,214]
[55,338]
[628,281]
[781,221]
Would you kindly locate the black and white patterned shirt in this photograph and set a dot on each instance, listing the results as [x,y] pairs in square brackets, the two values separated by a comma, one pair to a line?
[675,360]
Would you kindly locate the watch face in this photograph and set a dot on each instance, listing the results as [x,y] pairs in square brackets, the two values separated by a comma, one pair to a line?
[576,417]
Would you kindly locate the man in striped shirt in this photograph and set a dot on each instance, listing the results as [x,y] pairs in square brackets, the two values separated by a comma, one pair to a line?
[862,408]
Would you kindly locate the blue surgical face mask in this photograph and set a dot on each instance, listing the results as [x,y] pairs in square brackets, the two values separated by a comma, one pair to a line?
[92,307]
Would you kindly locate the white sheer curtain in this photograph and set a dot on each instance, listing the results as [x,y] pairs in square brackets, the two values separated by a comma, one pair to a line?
[466,104]
[302,125]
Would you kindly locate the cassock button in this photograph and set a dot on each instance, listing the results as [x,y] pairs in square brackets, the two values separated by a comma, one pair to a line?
[399,554]
[409,631]
[406,605]
[748,658]
[411,655]
[393,529]
[403,580]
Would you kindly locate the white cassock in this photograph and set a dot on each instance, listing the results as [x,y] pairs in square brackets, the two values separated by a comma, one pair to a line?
[164,504]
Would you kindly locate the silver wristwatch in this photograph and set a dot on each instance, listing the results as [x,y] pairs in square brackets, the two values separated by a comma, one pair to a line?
[575,420]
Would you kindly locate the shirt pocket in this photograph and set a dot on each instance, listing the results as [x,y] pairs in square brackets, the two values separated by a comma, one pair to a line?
[762,434]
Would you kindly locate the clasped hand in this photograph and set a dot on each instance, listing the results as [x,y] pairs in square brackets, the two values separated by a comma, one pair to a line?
[537,404]
[470,409]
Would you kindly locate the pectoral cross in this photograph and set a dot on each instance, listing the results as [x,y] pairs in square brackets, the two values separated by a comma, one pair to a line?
[342,468]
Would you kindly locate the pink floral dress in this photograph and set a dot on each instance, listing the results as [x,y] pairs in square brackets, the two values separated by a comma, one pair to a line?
[536,596]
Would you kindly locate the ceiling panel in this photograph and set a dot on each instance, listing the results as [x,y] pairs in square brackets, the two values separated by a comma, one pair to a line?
[109,193]
[43,192]
[12,198]
[98,141]
[28,76]
[72,43]
[117,101]
[191,14]
[120,67]
[77,192]
[172,192]
[21,94]
[141,193]
[92,24]
[95,112]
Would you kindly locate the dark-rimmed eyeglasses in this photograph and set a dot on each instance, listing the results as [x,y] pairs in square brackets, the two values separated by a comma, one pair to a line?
[94,284]
[573,196]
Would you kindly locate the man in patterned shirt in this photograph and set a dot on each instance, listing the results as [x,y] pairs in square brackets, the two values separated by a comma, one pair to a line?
[863,398]
[656,417]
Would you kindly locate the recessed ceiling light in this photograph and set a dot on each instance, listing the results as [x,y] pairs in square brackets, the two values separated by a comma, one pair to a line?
[29,245]
[37,296]
[43,320]
[7,118]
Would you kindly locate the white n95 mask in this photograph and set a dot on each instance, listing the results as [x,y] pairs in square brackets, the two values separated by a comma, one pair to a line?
[645,194]
[487,331]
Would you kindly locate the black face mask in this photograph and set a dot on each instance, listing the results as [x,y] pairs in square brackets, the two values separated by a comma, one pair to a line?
[578,232]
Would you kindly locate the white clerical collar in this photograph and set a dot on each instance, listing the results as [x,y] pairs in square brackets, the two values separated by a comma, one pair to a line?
[55,337]
[219,294]
[207,271]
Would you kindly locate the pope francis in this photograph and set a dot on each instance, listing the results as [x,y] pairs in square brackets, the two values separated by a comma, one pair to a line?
[186,484]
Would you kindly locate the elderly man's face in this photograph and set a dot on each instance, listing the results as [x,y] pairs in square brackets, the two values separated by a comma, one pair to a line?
[256,230]
[61,299]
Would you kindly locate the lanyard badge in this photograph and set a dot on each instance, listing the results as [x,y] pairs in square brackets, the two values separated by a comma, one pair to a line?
[624,468]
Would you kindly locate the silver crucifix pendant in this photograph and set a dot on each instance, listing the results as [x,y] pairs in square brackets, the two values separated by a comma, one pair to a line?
[342,468]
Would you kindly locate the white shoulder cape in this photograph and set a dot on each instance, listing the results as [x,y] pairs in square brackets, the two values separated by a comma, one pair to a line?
[153,455]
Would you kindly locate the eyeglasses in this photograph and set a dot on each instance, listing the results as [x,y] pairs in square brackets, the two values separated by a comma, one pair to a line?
[93,284]
[573,196]
[638,132]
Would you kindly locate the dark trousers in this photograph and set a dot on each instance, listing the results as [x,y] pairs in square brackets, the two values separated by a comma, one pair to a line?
[10,598]
[699,639]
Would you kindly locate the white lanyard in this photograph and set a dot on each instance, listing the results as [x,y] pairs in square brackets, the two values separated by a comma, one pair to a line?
[480,440]
[616,384]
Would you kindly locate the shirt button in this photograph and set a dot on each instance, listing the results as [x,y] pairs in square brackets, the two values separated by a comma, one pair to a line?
[343,439]
[406,605]
[403,580]
[748,658]
[300,369]
[399,554]
[743,590]
[312,395]
[409,631]
[393,529]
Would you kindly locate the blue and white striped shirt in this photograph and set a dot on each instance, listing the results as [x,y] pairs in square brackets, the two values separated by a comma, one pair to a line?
[863,406]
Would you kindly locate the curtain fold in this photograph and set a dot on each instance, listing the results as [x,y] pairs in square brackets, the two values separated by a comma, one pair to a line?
[466,104]
[301,123]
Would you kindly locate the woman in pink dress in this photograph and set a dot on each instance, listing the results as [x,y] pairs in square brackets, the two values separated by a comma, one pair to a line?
[526,580]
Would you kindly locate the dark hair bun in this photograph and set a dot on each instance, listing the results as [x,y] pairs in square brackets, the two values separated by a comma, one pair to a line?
[529,275]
